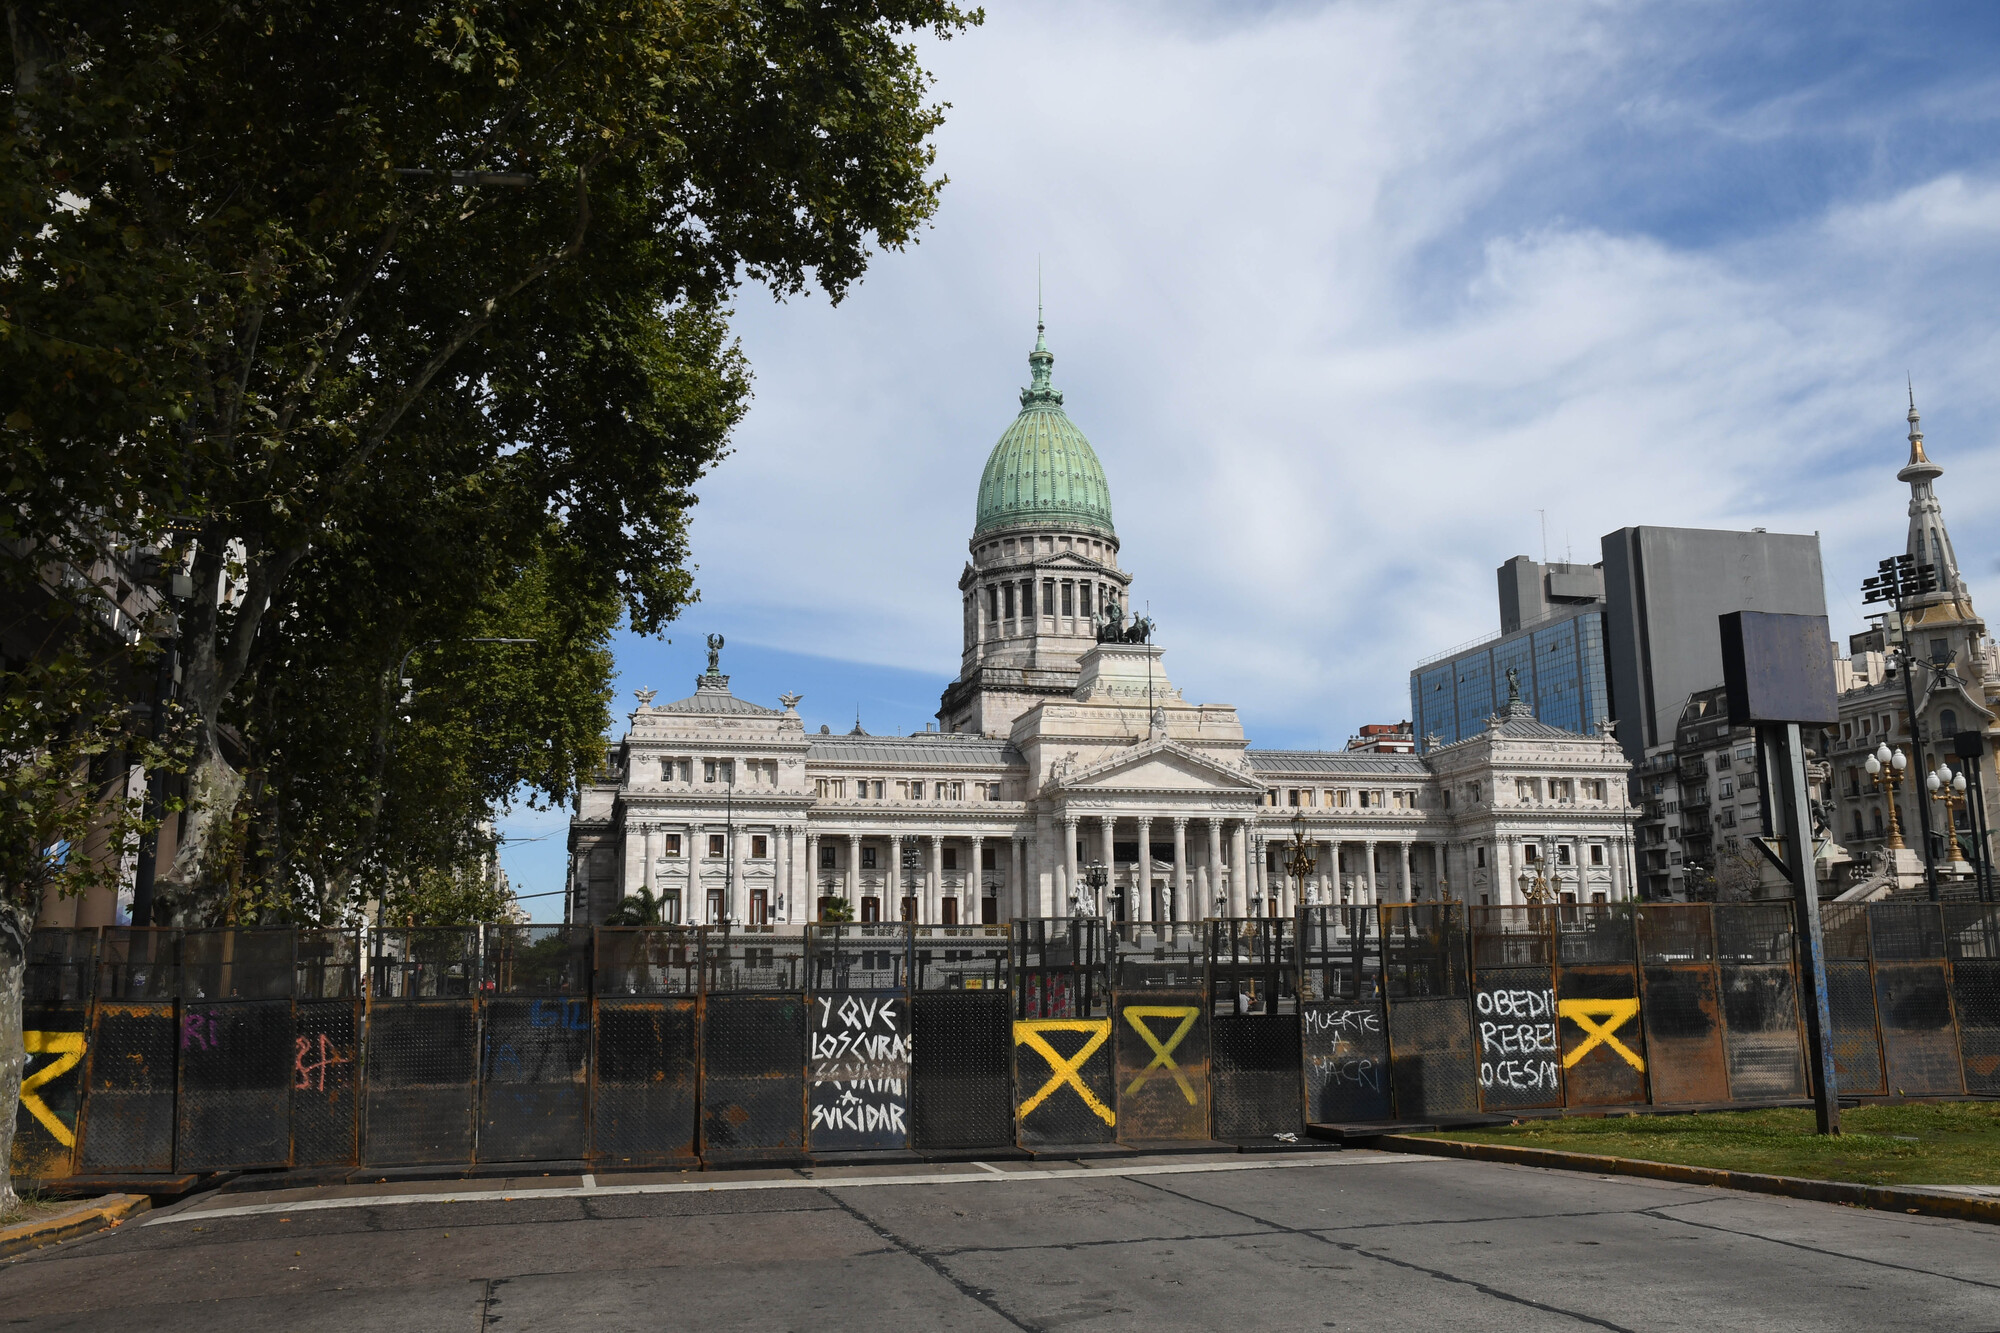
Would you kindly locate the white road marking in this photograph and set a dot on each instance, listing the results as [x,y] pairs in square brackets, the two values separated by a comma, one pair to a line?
[994,1169]
[589,1181]
[724,1186]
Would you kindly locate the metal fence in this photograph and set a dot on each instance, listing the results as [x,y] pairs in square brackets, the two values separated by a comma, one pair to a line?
[166,1051]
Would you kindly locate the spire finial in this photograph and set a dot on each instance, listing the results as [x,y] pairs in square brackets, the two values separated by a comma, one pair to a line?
[1916,435]
[1040,360]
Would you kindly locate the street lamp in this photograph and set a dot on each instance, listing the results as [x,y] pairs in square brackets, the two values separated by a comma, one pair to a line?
[1535,884]
[1301,861]
[1885,770]
[1900,579]
[1948,789]
[1094,878]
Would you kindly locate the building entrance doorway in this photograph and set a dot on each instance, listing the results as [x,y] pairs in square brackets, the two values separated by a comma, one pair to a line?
[871,908]
[949,912]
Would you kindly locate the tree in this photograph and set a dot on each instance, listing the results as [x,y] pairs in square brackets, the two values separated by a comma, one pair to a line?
[639,909]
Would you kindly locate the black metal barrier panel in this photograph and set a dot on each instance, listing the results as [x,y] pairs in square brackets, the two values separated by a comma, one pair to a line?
[1850,993]
[326,1064]
[535,1044]
[423,1047]
[1255,1046]
[128,1103]
[1159,1032]
[1681,1005]
[234,1108]
[646,1058]
[1062,1033]
[1427,997]
[1913,1000]
[753,1041]
[55,1033]
[1601,1035]
[961,1089]
[1514,1007]
[1972,942]
[1344,1043]
[1762,1029]
[858,1055]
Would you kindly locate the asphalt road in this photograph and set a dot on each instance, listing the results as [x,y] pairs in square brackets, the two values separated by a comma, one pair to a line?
[1349,1240]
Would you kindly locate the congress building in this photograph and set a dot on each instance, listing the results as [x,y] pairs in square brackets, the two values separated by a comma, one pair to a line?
[1067,772]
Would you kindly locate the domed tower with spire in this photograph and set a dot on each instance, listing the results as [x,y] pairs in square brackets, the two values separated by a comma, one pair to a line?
[1044,563]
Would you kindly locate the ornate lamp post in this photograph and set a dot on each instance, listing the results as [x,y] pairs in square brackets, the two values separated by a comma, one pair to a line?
[1948,789]
[1535,885]
[1299,865]
[1094,878]
[1885,770]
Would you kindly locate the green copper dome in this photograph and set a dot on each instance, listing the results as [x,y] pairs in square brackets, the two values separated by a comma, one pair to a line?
[1043,471]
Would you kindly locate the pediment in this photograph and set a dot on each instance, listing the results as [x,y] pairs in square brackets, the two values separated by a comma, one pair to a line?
[1158,766]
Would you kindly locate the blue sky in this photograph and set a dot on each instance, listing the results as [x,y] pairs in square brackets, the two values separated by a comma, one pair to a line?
[1344,295]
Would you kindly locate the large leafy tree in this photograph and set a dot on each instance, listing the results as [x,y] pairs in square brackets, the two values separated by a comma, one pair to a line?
[284,275]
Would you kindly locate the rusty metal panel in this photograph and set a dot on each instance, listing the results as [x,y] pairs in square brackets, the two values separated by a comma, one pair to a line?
[128,1105]
[1602,1035]
[422,1077]
[1344,1060]
[1431,1061]
[753,1086]
[961,1089]
[1681,1005]
[858,1075]
[236,1072]
[645,1066]
[1857,1045]
[56,1036]
[1160,1040]
[1972,942]
[1514,1023]
[326,1107]
[535,1076]
[1254,1073]
[1761,1024]
[1062,1076]
[1913,1000]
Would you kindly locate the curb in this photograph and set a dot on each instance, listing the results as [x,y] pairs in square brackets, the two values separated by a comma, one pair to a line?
[109,1211]
[1887,1198]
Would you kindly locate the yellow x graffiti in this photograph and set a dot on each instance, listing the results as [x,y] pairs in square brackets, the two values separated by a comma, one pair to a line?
[1162,1054]
[1065,1071]
[1598,1019]
[67,1047]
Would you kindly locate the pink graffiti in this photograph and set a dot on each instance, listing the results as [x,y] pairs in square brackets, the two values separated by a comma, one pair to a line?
[200,1031]
[329,1054]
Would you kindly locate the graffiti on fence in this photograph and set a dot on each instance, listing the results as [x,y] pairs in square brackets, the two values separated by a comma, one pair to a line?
[1163,1052]
[67,1048]
[1600,1021]
[1517,1037]
[201,1031]
[1352,1042]
[859,1058]
[1065,1071]
[312,1077]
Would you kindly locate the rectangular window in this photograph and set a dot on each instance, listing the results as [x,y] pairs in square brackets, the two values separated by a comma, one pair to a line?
[673,847]
[1068,598]
[1083,599]
[954,791]
[1028,597]
[867,858]
[1722,763]
[951,858]
[1534,853]
[715,848]
[1562,854]
[830,788]
[760,847]
[1292,796]
[992,604]
[1008,591]
[1597,853]
[708,770]
[1048,596]
[1524,789]
[826,858]
[1361,799]
[989,858]
[1725,788]
[1480,857]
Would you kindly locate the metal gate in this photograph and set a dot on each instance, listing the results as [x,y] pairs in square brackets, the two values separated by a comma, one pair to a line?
[326,1068]
[1913,1000]
[961,1093]
[128,1107]
[1681,1005]
[1159,1032]
[1600,1032]
[753,1041]
[1850,993]
[1062,1033]
[234,1108]
[646,1056]
[422,1047]
[1253,969]
[1761,1027]
[55,1031]
[858,1058]
[1972,941]
[1427,997]
[1514,1007]
[534,1044]
[1344,1043]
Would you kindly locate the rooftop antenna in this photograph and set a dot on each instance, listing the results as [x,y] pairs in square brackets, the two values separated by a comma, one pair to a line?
[1038,293]
[1545,534]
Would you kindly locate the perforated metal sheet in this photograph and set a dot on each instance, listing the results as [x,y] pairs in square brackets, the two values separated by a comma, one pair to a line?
[1919,1033]
[422,1079]
[326,1121]
[57,1037]
[1255,1072]
[532,1097]
[858,1071]
[1857,1047]
[1161,1038]
[1761,1032]
[645,1099]
[1681,1013]
[1345,1061]
[1515,1032]
[128,1111]
[960,1069]
[1062,1075]
[1602,1036]
[235,1104]
[1976,989]
[1431,1059]
[754,1077]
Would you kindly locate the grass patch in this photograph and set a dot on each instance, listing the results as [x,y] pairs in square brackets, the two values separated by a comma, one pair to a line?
[33,1206]
[1932,1143]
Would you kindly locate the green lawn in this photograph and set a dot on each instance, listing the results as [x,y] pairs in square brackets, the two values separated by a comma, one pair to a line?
[1947,1143]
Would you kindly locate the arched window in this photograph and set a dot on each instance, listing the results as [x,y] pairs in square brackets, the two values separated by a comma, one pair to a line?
[1878,824]
[1948,722]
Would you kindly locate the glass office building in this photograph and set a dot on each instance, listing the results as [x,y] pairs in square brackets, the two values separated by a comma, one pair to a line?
[1561,667]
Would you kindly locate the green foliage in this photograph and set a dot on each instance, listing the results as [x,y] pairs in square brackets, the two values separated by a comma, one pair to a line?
[639,909]
[836,909]
[449,896]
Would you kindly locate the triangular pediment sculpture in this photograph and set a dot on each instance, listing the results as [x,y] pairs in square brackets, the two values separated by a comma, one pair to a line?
[1164,765]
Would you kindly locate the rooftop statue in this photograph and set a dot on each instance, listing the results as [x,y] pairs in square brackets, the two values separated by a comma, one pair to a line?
[715,654]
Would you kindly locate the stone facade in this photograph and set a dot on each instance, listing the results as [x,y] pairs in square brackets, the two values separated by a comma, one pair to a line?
[1064,743]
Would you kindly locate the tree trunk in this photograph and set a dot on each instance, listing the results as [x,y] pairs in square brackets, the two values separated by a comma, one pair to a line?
[213,788]
[13,1052]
